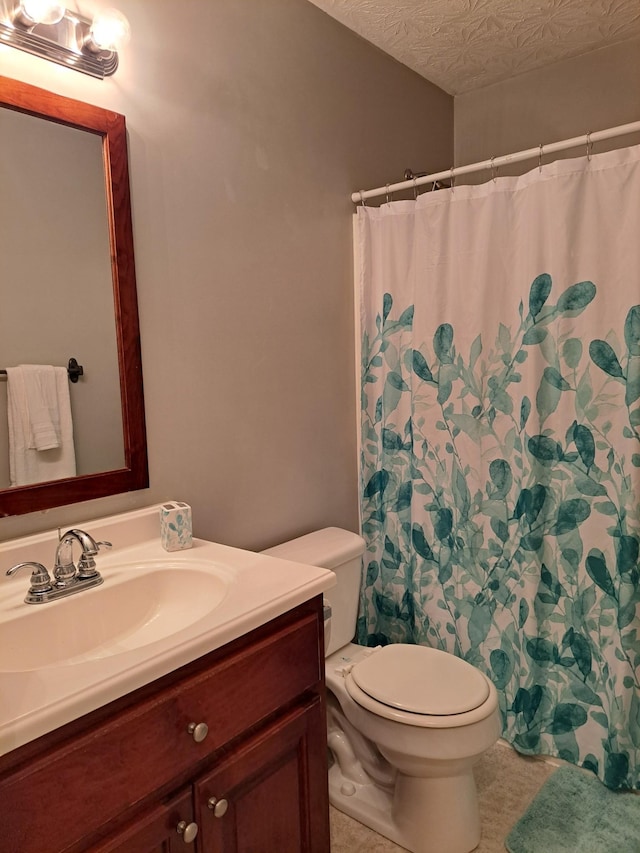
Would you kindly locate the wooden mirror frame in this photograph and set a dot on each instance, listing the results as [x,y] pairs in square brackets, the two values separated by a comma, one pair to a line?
[111,128]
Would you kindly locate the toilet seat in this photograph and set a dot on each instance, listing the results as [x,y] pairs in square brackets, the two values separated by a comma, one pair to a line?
[418,685]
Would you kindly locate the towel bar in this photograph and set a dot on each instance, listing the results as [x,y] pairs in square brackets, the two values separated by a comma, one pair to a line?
[74,370]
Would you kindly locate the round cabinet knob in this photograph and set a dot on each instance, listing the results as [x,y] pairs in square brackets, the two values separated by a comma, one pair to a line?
[199,731]
[218,807]
[188,831]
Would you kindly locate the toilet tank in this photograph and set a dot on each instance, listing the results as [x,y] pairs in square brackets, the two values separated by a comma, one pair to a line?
[341,551]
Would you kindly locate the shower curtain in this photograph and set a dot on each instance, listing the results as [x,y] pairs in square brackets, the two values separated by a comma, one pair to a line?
[500,445]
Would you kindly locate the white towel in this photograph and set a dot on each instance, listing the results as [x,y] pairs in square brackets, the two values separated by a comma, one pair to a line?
[40,426]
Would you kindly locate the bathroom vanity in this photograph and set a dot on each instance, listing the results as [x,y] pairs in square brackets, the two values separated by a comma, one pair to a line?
[130,776]
[224,752]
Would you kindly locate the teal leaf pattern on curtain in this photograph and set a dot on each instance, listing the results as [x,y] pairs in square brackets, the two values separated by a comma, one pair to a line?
[504,527]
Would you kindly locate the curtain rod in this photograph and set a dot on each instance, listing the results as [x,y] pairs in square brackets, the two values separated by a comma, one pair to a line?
[587,139]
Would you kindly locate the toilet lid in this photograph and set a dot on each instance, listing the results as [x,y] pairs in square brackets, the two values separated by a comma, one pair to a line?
[421,680]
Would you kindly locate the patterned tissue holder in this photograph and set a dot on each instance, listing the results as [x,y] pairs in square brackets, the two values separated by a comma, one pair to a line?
[175,526]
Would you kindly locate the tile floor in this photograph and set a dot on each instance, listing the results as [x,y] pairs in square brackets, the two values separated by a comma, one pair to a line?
[507,782]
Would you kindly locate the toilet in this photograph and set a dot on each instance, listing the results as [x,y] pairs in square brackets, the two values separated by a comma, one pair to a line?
[406,723]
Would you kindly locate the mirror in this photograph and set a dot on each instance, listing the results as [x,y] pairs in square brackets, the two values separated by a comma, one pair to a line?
[68,286]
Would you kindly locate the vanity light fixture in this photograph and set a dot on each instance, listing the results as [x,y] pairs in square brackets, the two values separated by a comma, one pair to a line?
[47,29]
[109,31]
[32,12]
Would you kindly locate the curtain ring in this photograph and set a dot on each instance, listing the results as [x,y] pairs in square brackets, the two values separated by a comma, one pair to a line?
[415,187]
[494,171]
[388,194]
[540,153]
[589,146]
[362,202]
[452,180]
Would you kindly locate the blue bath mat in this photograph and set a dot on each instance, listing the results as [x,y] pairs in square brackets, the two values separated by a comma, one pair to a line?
[575,813]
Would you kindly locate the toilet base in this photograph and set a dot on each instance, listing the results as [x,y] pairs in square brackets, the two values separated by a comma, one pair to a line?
[423,815]
[366,803]
[437,814]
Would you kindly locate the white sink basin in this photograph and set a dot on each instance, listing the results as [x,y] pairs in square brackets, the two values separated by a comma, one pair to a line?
[155,612]
[136,605]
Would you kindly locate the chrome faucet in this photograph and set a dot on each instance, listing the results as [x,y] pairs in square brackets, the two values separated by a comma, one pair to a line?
[64,570]
[66,578]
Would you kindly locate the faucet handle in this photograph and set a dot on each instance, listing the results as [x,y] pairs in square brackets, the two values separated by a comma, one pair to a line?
[87,564]
[40,581]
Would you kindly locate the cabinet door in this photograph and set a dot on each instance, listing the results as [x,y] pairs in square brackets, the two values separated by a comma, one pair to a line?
[270,794]
[166,828]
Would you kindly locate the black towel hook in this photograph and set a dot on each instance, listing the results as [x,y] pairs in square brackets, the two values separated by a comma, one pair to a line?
[74,370]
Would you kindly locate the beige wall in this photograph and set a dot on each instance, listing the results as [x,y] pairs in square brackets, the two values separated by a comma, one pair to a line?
[567,99]
[250,122]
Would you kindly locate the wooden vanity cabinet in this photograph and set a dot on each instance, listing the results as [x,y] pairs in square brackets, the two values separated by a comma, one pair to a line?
[131,777]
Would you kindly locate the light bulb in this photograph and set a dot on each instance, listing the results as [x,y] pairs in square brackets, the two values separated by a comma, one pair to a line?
[32,12]
[109,31]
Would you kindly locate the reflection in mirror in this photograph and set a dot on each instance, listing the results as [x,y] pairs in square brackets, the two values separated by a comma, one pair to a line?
[61,300]
[68,287]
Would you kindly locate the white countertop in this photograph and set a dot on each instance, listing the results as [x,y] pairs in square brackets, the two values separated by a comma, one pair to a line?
[259,588]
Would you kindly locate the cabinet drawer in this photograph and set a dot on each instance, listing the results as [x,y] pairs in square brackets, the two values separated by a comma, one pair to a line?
[148,745]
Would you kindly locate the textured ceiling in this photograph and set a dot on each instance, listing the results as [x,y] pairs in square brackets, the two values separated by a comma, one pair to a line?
[461,45]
